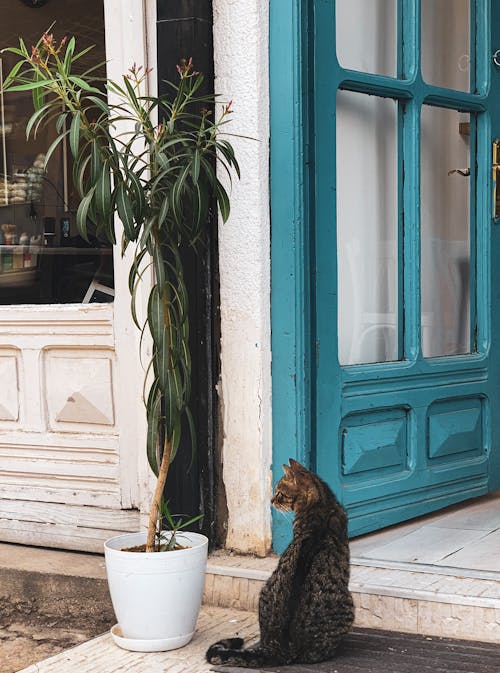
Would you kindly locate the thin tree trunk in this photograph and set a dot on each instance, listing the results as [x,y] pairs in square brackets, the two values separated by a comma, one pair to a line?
[155,505]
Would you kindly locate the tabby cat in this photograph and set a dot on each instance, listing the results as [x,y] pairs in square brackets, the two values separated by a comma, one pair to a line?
[305,607]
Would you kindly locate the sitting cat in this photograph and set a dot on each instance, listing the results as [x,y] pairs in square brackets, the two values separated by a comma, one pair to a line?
[305,607]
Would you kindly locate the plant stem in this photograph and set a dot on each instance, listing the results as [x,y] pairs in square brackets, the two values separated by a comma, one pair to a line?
[155,505]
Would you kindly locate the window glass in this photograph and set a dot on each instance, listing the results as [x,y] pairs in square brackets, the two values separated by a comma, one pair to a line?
[367,228]
[42,258]
[366,33]
[446,57]
[445,231]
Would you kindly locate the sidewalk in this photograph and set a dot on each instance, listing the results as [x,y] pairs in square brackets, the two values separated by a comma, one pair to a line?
[101,655]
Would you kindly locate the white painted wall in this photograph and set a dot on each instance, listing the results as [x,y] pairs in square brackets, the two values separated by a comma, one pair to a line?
[241,69]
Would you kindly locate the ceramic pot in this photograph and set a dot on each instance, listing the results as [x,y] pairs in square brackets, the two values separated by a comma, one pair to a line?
[156,595]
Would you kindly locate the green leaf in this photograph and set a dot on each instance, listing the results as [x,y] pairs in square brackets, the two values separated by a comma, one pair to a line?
[83,52]
[139,203]
[53,146]
[227,150]
[74,134]
[36,116]
[195,167]
[95,163]
[81,214]
[131,92]
[177,190]
[156,320]
[222,200]
[162,214]
[29,86]
[109,228]
[175,435]
[103,192]
[12,74]
[100,103]
[125,211]
[38,95]
[68,56]
[80,168]
[61,121]
[82,84]
[24,51]
[153,407]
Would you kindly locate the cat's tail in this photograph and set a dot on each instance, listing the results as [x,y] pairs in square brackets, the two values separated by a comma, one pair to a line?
[231,652]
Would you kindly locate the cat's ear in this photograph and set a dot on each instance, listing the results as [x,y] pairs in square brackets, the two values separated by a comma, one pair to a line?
[295,465]
[286,470]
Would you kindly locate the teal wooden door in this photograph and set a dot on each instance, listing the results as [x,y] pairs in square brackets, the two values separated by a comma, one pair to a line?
[397,386]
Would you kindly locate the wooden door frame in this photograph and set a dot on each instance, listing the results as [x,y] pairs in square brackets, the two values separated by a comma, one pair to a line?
[291,299]
[130,34]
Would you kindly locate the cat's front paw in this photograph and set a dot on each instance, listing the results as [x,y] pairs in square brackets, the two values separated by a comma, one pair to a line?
[215,653]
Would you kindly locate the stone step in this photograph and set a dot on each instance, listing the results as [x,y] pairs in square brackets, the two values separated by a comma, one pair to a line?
[432,601]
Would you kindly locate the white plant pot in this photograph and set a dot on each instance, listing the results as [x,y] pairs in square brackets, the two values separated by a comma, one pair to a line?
[156,595]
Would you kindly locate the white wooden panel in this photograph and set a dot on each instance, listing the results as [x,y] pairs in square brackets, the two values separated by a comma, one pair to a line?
[63,526]
[36,327]
[76,469]
[9,388]
[62,458]
[78,390]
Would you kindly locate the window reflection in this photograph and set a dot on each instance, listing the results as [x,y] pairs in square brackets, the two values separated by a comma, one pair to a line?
[42,257]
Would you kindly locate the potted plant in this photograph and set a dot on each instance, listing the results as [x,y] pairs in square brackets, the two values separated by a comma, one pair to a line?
[151,161]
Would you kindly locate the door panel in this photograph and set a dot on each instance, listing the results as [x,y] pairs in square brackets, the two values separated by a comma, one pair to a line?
[405,402]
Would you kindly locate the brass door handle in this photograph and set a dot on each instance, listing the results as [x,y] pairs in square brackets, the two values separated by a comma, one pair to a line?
[496,179]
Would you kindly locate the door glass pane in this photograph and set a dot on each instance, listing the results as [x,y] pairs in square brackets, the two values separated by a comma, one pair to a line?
[446,44]
[367,226]
[445,237]
[367,35]
[43,260]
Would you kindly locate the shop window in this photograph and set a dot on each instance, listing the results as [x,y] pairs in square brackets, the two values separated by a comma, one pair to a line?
[43,260]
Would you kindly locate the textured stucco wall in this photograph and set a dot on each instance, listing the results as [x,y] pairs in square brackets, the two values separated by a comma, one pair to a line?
[241,69]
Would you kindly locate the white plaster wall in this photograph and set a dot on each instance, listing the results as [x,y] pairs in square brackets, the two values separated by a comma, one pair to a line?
[241,68]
